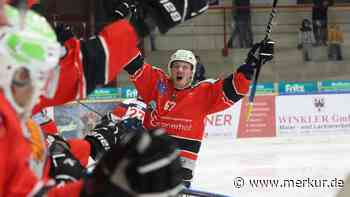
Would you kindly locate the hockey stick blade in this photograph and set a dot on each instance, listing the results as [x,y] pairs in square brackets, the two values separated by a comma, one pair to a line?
[198,193]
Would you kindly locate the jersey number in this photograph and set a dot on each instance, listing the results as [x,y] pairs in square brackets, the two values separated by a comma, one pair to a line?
[134,112]
[169,105]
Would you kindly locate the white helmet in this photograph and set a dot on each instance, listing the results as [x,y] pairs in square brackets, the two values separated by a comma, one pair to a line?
[186,56]
[28,42]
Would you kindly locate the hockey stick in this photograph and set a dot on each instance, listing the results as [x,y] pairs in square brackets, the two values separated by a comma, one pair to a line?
[258,66]
[90,108]
[198,193]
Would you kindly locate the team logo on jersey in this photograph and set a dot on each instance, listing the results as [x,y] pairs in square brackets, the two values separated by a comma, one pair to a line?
[161,87]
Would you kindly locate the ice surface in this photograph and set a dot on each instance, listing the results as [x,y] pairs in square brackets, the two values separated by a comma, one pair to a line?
[221,160]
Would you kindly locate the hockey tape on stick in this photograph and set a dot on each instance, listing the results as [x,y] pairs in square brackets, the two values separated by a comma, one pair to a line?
[257,72]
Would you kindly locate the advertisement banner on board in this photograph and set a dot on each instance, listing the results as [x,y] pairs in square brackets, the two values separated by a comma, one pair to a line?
[223,123]
[295,88]
[113,93]
[105,94]
[262,120]
[330,86]
[264,88]
[312,114]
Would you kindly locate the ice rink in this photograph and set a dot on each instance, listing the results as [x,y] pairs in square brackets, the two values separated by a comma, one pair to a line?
[299,159]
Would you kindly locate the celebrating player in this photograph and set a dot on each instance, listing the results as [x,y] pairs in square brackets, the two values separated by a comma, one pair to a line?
[179,107]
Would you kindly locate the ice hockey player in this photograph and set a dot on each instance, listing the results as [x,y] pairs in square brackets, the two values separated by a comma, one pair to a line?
[77,81]
[97,61]
[128,114]
[28,57]
[180,108]
[24,76]
[100,59]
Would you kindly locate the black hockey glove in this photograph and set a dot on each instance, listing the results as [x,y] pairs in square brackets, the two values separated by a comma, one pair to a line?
[65,167]
[128,125]
[266,51]
[263,50]
[141,163]
[63,32]
[169,13]
[103,136]
[165,13]
[57,140]
[119,9]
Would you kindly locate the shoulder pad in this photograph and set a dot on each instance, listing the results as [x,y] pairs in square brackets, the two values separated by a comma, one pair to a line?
[210,81]
[159,69]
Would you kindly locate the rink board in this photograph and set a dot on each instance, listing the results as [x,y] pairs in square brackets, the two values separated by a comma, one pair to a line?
[273,116]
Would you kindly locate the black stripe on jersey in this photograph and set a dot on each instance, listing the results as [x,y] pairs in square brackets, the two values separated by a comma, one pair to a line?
[134,65]
[187,144]
[229,90]
[46,122]
[94,62]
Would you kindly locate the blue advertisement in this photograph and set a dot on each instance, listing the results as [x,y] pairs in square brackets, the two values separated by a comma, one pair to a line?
[128,92]
[330,86]
[295,88]
[265,88]
[105,94]
[113,93]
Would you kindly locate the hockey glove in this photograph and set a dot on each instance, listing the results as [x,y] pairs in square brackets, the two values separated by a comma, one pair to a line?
[143,163]
[169,13]
[263,50]
[65,167]
[103,136]
[119,9]
[165,13]
[63,32]
[57,140]
[266,51]
[128,125]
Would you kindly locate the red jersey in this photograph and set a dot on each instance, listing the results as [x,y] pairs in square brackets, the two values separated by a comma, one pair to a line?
[97,61]
[182,112]
[23,165]
[85,65]
[23,153]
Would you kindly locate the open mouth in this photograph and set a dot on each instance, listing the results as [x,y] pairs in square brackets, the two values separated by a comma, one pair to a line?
[179,78]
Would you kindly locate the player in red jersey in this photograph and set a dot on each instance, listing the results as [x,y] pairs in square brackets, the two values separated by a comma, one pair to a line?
[180,107]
